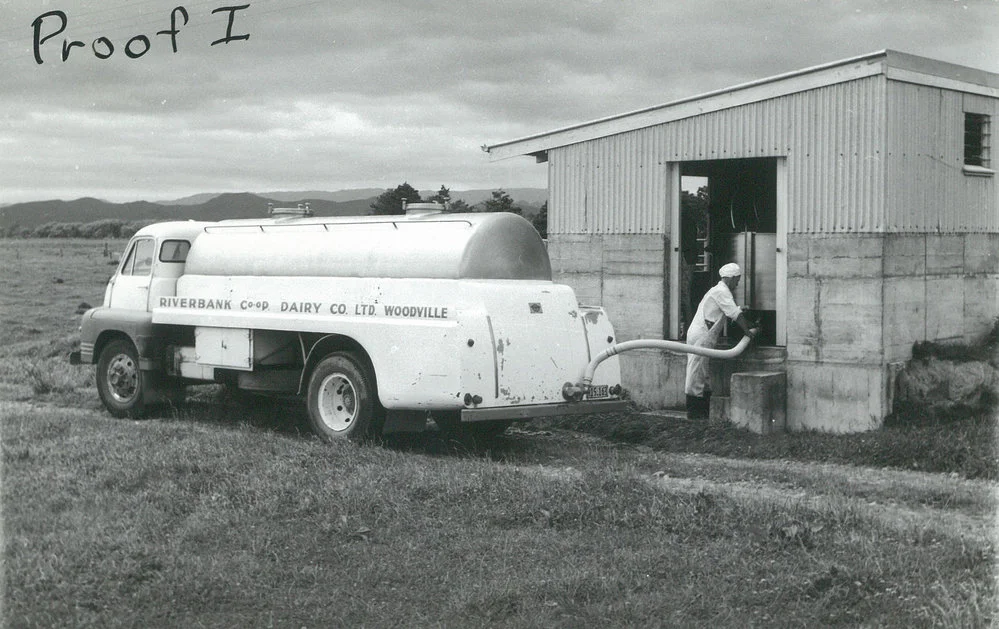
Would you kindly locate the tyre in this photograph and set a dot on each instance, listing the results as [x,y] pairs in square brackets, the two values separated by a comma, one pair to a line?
[120,381]
[342,399]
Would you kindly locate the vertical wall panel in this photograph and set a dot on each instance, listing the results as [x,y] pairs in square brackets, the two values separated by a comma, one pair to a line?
[928,190]
[611,185]
[833,138]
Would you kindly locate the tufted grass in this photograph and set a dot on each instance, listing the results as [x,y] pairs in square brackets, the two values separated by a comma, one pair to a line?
[192,519]
[227,513]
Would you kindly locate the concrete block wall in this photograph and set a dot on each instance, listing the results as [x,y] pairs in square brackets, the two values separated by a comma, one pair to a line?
[858,302]
[575,264]
[856,305]
[981,284]
[626,274]
[835,333]
[834,289]
[623,273]
[654,379]
[769,359]
[837,397]
[938,287]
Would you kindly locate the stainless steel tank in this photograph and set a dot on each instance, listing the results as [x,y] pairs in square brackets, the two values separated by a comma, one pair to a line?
[756,253]
[488,245]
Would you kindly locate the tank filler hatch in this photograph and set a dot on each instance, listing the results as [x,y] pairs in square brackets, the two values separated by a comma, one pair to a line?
[301,211]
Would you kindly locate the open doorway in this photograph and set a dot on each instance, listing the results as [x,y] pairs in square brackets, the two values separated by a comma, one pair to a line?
[729,213]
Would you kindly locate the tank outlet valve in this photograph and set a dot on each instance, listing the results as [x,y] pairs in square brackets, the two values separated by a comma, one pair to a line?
[472,400]
[573,392]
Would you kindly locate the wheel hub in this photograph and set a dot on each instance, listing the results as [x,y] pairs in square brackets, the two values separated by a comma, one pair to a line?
[337,402]
[123,378]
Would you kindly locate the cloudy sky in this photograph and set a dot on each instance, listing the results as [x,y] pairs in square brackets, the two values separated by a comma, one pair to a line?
[328,95]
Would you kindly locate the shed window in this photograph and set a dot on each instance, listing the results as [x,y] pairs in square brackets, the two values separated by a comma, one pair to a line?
[977,140]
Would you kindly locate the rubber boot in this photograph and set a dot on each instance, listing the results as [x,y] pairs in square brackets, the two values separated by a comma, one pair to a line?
[696,407]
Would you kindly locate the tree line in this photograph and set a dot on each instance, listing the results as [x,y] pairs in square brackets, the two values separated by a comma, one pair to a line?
[104,228]
[391,202]
[388,203]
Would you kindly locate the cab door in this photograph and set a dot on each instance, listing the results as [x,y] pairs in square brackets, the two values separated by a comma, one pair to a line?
[130,289]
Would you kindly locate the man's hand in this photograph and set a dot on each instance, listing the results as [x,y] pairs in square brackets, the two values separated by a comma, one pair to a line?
[753,332]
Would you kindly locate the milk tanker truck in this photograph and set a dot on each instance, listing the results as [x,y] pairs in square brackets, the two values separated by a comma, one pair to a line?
[376,321]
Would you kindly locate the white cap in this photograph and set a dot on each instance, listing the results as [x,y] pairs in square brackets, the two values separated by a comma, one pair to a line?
[730,270]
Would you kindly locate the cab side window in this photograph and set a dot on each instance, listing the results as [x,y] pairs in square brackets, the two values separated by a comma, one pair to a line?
[174,250]
[140,258]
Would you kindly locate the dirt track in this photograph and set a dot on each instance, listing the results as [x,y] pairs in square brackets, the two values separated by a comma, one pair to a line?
[899,500]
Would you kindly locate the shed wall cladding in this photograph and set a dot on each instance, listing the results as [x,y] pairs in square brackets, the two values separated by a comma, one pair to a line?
[614,185]
[833,137]
[928,192]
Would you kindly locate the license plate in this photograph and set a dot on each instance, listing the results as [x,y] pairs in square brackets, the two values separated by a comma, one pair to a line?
[599,390]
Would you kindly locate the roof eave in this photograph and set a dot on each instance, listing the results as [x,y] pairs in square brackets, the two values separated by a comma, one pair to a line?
[895,65]
[673,110]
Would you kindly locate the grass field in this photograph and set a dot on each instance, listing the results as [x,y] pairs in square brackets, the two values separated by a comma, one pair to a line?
[226,513]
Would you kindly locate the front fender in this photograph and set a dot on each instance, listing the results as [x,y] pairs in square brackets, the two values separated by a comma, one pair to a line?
[100,325]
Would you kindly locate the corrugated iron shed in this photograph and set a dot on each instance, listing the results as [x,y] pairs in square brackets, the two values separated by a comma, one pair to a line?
[871,145]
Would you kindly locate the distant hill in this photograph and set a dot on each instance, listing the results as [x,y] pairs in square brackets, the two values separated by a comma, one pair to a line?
[215,207]
[287,196]
[218,207]
[194,199]
[530,196]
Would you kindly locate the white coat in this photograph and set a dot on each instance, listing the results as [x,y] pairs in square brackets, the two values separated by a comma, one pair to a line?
[704,332]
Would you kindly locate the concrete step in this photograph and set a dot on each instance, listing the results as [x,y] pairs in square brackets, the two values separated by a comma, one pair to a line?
[758,401]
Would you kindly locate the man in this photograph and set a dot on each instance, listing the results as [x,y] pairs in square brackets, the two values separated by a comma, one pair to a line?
[704,332]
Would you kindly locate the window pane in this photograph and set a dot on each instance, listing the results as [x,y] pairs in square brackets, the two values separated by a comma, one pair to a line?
[174,251]
[976,139]
[126,269]
[143,257]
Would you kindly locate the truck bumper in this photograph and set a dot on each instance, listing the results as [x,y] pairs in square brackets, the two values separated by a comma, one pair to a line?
[542,410]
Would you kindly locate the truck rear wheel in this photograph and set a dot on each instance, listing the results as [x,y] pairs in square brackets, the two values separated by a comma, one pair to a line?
[119,379]
[342,400]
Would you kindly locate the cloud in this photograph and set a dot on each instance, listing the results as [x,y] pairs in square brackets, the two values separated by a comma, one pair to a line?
[335,94]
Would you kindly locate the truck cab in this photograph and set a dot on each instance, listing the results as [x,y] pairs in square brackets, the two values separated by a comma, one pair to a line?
[150,266]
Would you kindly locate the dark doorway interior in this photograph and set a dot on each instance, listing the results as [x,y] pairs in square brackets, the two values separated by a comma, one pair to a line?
[732,219]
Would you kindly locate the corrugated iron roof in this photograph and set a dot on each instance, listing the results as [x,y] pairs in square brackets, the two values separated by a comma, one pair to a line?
[895,65]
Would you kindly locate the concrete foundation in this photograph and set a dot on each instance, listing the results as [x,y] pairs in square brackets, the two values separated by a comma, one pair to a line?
[623,273]
[653,378]
[856,303]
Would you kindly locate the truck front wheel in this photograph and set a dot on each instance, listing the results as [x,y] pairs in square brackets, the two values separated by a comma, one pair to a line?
[342,400]
[119,379]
